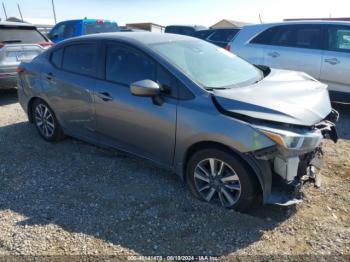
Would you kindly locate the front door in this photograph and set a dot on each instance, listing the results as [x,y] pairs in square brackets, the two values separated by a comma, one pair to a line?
[336,61]
[131,123]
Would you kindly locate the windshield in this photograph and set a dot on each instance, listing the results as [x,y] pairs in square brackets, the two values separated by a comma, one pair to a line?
[105,27]
[209,65]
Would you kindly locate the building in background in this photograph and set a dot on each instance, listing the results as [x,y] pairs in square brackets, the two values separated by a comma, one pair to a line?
[151,27]
[226,23]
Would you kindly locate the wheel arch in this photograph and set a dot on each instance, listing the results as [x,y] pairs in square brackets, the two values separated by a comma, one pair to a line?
[261,169]
[30,106]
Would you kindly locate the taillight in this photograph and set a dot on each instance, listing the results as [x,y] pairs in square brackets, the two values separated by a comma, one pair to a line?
[228,47]
[20,70]
[45,45]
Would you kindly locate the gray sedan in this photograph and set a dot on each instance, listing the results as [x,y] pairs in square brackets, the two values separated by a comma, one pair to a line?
[234,132]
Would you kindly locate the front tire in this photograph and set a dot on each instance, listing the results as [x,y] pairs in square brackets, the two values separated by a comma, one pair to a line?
[46,122]
[218,176]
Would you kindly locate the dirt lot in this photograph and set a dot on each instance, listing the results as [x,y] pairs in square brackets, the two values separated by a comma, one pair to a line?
[74,198]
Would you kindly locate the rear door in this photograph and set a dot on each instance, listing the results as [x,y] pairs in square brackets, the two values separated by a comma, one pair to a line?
[336,60]
[295,47]
[69,81]
[131,123]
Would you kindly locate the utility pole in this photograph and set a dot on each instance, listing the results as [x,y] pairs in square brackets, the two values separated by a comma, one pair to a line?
[20,13]
[54,12]
[3,6]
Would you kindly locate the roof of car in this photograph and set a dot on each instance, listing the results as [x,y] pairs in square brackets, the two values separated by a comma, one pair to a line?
[16,24]
[145,38]
[88,20]
[192,26]
[301,22]
[218,29]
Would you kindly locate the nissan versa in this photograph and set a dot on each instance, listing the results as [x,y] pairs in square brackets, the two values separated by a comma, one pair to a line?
[236,133]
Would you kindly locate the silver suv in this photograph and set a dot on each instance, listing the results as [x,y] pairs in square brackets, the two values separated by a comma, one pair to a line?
[232,131]
[18,42]
[319,48]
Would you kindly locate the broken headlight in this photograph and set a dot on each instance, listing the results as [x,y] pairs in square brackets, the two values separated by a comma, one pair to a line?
[305,141]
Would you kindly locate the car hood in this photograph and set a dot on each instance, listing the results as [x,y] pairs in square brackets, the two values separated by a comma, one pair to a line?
[283,96]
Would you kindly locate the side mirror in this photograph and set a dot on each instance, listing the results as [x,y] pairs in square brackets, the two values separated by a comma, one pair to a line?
[145,88]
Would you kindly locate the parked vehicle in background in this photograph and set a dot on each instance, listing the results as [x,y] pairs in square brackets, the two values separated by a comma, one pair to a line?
[183,29]
[232,131]
[18,42]
[73,28]
[220,36]
[319,48]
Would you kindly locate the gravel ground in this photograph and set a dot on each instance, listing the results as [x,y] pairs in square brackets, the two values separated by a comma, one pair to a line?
[73,198]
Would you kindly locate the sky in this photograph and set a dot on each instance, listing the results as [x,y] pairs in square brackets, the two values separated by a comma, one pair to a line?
[165,12]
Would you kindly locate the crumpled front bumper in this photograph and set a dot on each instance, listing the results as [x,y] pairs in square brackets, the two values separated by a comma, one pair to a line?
[290,173]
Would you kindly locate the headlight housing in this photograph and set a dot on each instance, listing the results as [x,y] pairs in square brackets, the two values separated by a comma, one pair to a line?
[304,141]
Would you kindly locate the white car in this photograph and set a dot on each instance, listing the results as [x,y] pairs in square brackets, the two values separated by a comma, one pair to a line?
[319,48]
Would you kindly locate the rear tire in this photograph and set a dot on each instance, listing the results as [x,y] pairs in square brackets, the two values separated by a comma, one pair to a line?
[218,176]
[46,122]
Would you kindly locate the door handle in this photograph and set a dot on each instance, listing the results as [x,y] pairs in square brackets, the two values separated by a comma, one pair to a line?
[274,54]
[105,96]
[332,61]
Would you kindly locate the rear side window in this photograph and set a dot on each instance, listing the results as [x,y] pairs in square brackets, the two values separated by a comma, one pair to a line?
[300,36]
[126,66]
[20,35]
[223,35]
[56,57]
[80,59]
[339,39]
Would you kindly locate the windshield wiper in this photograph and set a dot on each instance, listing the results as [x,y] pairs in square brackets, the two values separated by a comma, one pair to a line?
[11,41]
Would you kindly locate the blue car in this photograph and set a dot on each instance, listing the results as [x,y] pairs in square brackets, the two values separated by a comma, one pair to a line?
[73,28]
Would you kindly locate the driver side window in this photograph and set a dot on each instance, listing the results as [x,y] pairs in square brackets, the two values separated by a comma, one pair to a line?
[58,31]
[126,66]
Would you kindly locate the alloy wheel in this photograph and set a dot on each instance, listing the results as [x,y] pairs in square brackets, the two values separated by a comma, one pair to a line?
[44,120]
[216,181]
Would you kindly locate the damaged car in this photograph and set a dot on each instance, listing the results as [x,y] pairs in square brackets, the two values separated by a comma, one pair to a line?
[237,134]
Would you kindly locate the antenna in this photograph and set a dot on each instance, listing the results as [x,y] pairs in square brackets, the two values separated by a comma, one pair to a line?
[3,6]
[260,19]
[20,13]
[54,12]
